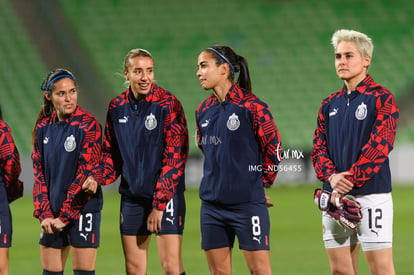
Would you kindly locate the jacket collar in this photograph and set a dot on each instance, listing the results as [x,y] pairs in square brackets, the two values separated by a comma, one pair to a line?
[361,87]
[54,118]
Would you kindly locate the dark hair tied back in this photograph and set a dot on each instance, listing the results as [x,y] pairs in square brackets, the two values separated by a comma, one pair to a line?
[237,63]
[53,76]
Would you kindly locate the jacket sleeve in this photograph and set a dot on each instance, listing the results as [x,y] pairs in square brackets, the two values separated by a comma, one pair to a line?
[10,164]
[322,163]
[40,190]
[198,132]
[89,157]
[174,156]
[269,140]
[110,164]
[381,141]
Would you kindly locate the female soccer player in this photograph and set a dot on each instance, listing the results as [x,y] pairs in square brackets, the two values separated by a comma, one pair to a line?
[146,142]
[235,131]
[355,132]
[11,188]
[66,147]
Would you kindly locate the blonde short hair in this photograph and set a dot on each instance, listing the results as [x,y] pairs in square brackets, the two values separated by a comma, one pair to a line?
[362,41]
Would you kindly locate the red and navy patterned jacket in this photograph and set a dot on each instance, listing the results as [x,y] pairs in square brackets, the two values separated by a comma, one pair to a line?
[241,146]
[9,165]
[355,132]
[146,142]
[64,154]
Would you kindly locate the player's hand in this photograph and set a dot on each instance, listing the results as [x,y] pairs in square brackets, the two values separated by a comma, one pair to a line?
[340,183]
[268,203]
[90,185]
[57,225]
[346,210]
[46,225]
[154,220]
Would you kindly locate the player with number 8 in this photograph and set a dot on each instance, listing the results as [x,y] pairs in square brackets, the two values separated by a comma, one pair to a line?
[234,202]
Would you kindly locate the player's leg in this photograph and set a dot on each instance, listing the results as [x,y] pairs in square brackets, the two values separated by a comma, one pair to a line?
[341,246]
[84,238]
[4,261]
[54,250]
[53,259]
[83,260]
[219,260]
[252,226]
[135,236]
[380,262]
[343,260]
[376,232]
[135,252]
[258,261]
[217,238]
[170,237]
[169,251]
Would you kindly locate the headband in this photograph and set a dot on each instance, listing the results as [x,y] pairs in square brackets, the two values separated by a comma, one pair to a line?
[224,58]
[56,78]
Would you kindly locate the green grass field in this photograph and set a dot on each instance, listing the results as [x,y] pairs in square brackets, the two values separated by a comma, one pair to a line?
[296,246]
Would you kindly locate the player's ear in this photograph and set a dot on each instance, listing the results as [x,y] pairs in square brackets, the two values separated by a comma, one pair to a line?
[47,96]
[367,61]
[126,75]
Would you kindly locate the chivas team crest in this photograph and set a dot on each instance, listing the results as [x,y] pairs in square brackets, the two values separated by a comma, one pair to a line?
[150,122]
[361,111]
[233,122]
[70,143]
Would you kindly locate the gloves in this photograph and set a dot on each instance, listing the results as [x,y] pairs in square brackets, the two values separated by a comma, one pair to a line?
[346,210]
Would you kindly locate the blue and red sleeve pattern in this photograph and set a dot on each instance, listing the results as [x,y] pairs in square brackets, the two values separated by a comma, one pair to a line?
[381,140]
[111,162]
[323,165]
[176,148]
[10,164]
[41,200]
[269,140]
[89,158]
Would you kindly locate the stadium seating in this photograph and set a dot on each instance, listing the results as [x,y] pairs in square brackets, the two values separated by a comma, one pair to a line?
[285,42]
[21,71]
[287,45]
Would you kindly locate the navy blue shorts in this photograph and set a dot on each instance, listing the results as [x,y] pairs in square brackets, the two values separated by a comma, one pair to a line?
[220,224]
[134,215]
[84,233]
[6,228]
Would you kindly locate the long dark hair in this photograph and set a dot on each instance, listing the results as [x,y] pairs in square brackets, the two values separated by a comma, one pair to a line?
[48,86]
[237,64]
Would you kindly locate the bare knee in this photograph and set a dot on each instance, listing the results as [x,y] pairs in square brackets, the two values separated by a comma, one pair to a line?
[260,271]
[170,267]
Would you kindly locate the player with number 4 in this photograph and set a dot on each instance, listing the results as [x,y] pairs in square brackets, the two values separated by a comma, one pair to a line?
[355,133]
[146,143]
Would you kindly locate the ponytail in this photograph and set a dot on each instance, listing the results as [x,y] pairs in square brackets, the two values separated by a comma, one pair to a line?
[237,64]
[244,75]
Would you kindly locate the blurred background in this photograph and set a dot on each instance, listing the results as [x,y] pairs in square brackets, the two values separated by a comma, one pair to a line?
[286,43]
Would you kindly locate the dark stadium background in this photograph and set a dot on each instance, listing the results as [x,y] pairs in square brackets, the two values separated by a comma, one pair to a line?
[286,42]
[287,45]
